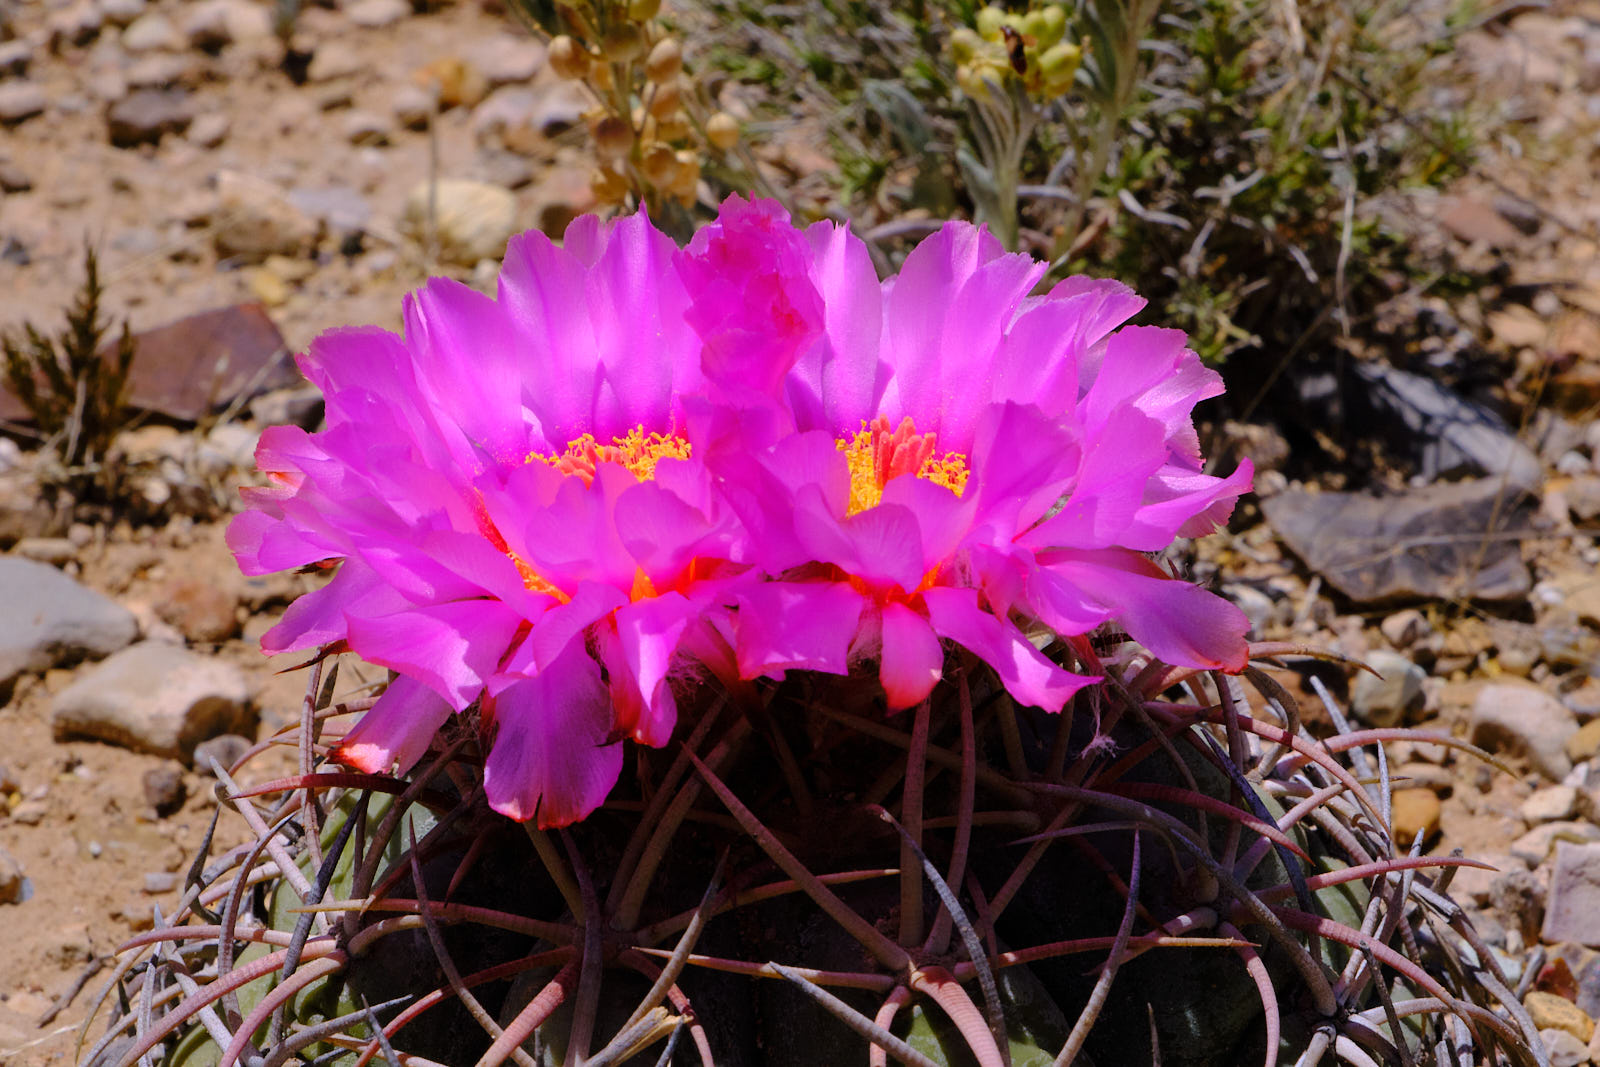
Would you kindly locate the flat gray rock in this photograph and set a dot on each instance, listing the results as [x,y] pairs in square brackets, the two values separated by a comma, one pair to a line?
[49,620]
[1518,717]
[1573,910]
[1457,539]
[156,698]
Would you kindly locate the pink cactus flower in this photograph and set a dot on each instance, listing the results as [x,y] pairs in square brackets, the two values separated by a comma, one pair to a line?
[513,501]
[944,457]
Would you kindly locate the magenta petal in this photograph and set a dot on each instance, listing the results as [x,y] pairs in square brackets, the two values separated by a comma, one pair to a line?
[882,545]
[647,638]
[394,733]
[452,647]
[911,661]
[1179,623]
[797,626]
[1027,674]
[551,760]
[323,616]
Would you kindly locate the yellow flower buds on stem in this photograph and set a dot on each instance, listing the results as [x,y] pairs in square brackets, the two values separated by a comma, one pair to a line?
[568,58]
[623,43]
[665,60]
[722,130]
[613,138]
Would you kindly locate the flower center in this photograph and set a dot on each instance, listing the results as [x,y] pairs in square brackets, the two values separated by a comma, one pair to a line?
[638,453]
[878,455]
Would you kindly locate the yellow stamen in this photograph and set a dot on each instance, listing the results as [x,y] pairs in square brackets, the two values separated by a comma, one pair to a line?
[878,455]
[638,453]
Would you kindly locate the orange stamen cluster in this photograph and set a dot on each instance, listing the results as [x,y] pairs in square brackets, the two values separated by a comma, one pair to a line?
[638,452]
[878,455]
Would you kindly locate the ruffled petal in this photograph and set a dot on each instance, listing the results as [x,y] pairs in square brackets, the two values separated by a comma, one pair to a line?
[395,732]
[552,760]
[910,662]
[797,626]
[648,632]
[451,647]
[1178,622]
[1026,673]
[322,616]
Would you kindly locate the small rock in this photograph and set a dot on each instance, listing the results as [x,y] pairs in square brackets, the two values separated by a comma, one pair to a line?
[1551,1012]
[154,698]
[506,119]
[9,782]
[152,32]
[1552,804]
[1524,718]
[52,550]
[1439,780]
[160,882]
[122,12]
[1535,846]
[1585,744]
[212,24]
[268,287]
[506,58]
[29,812]
[15,57]
[143,117]
[163,788]
[288,407]
[1405,628]
[13,179]
[1415,813]
[1476,221]
[412,106]
[75,25]
[53,620]
[71,946]
[367,128]
[332,60]
[11,877]
[209,130]
[202,611]
[1563,1049]
[341,210]
[163,71]
[1574,911]
[375,14]
[1518,327]
[1474,883]
[473,220]
[255,219]
[19,101]
[226,750]
[561,107]
[1387,698]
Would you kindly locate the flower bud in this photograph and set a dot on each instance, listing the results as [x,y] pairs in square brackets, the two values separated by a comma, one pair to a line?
[600,77]
[623,43]
[613,138]
[1058,64]
[568,58]
[643,10]
[608,186]
[989,20]
[664,101]
[964,44]
[722,130]
[1033,23]
[660,166]
[687,182]
[664,61]
[671,127]
[1055,24]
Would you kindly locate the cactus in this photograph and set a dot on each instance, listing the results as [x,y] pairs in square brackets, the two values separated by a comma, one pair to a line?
[1157,874]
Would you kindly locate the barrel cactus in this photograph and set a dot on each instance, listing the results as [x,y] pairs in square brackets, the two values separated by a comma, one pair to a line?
[781,670]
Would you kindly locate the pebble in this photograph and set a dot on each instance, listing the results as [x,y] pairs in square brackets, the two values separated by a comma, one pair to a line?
[1386,699]
[162,71]
[215,23]
[458,83]
[1535,846]
[1526,719]
[227,750]
[375,14]
[160,882]
[301,406]
[1405,628]
[58,621]
[52,550]
[505,59]
[29,812]
[122,12]
[340,209]
[155,698]
[11,878]
[152,32]
[1585,744]
[1551,1012]
[209,130]
[1420,775]
[474,220]
[163,788]
[1415,813]
[506,119]
[1474,884]
[412,106]
[75,25]
[367,128]
[1550,805]
[9,782]
[1563,1049]
[202,611]
[335,59]
[19,101]
[15,57]
[255,219]
[561,107]
[143,117]
[1574,904]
